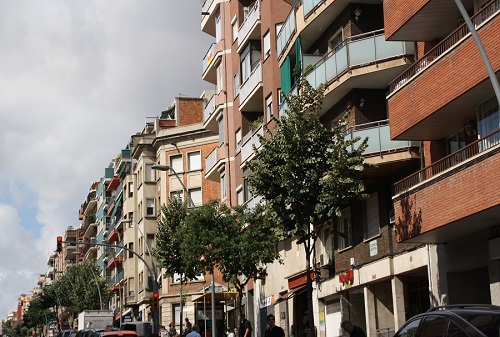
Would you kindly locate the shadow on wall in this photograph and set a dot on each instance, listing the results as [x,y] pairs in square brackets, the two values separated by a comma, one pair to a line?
[410,223]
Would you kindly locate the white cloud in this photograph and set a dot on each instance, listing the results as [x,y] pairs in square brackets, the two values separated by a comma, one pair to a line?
[77,79]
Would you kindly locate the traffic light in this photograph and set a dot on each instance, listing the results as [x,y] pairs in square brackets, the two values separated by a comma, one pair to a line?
[154,300]
[59,244]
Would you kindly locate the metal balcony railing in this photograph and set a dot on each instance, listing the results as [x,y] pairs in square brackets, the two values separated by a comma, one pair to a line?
[449,42]
[286,32]
[454,159]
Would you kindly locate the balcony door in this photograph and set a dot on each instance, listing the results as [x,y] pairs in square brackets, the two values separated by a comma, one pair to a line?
[488,119]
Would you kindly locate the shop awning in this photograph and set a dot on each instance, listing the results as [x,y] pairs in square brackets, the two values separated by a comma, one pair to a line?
[224,296]
[291,293]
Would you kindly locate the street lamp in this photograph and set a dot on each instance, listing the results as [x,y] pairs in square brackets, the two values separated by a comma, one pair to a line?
[167,168]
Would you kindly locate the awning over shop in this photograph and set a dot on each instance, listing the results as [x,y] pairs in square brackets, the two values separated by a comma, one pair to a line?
[224,296]
[291,293]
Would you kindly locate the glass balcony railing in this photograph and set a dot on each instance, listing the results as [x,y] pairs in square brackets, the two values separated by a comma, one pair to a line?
[286,32]
[209,57]
[211,160]
[254,80]
[209,108]
[249,142]
[379,139]
[252,17]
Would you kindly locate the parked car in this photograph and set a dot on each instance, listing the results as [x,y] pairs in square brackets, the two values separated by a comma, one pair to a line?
[119,333]
[143,329]
[459,320]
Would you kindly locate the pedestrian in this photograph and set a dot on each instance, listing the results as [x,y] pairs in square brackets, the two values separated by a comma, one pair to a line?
[353,330]
[245,327]
[272,329]
[171,330]
[188,327]
[163,331]
[231,333]
[195,331]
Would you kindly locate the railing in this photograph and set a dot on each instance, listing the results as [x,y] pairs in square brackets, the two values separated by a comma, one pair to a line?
[254,201]
[88,247]
[253,17]
[451,40]
[251,82]
[286,32]
[379,139]
[309,5]
[248,143]
[209,57]
[209,108]
[359,50]
[211,160]
[206,5]
[454,159]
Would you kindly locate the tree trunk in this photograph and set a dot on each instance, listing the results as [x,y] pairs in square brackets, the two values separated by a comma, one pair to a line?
[312,332]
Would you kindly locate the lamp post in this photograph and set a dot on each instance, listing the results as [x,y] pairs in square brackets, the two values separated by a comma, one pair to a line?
[167,168]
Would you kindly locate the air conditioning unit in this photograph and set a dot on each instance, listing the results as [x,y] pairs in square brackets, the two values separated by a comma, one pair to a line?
[326,259]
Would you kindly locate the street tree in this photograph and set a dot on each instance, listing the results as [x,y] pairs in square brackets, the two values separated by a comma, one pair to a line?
[307,172]
[38,314]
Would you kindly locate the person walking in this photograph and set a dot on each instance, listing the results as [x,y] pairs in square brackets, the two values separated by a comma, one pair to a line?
[195,331]
[272,329]
[353,330]
[245,327]
[171,330]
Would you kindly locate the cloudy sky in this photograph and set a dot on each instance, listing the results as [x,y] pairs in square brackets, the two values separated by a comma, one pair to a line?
[77,78]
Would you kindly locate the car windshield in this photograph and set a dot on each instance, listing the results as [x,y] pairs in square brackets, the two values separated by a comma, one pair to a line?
[489,324]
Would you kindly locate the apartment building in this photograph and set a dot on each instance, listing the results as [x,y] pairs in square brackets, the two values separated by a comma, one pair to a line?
[446,101]
[373,275]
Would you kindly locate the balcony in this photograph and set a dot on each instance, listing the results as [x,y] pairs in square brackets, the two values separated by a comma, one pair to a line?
[363,61]
[250,140]
[434,204]
[250,28]
[286,33]
[455,70]
[210,62]
[251,91]
[214,162]
[381,149]
[210,113]
[209,10]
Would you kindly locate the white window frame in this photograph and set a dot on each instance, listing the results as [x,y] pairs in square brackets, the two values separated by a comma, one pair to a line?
[267,44]
[198,201]
[177,163]
[372,216]
[178,194]
[150,207]
[194,161]
[220,123]
[223,194]
[218,27]
[345,227]
[149,173]
[269,107]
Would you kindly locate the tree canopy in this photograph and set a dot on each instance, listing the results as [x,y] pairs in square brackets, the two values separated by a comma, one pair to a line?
[305,171]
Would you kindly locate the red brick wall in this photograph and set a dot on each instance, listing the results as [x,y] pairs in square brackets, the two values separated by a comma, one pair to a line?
[458,71]
[460,194]
[190,111]
[397,12]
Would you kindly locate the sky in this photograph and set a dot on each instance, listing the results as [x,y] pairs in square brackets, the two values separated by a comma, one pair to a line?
[77,79]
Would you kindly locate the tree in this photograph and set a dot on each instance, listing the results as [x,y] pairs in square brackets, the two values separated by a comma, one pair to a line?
[38,314]
[238,242]
[306,172]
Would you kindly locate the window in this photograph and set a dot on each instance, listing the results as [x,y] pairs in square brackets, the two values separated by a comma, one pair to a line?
[456,142]
[410,330]
[220,122]
[344,229]
[335,43]
[176,163]
[195,195]
[237,138]
[194,161]
[177,194]
[267,45]
[234,24]
[327,239]
[489,117]
[218,27]
[247,194]
[150,240]
[149,174]
[150,207]
[236,84]
[130,189]
[223,186]
[269,107]
[131,247]
[372,219]
[240,196]
[220,73]
[250,58]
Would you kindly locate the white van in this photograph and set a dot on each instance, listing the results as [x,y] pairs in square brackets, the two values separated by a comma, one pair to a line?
[143,329]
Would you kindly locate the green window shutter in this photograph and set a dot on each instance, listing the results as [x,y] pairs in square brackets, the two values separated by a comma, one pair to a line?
[286,76]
